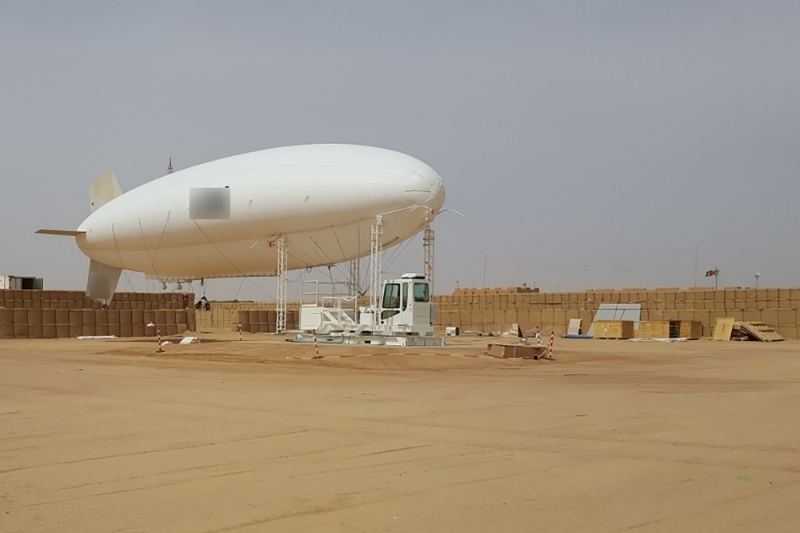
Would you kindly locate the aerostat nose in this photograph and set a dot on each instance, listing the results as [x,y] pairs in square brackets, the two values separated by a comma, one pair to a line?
[437,197]
[429,183]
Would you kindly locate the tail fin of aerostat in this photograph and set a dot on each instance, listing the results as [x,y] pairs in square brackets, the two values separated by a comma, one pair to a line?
[103,190]
[102,282]
[103,279]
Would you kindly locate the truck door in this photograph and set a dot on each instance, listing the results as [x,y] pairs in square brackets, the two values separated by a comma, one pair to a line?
[391,303]
[422,304]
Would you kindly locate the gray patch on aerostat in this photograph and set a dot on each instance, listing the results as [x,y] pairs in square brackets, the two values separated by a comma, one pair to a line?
[210,203]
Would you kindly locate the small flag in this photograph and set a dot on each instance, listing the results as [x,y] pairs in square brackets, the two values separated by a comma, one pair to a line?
[714,272]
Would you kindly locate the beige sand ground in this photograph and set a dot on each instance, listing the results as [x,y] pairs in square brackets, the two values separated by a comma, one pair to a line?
[228,436]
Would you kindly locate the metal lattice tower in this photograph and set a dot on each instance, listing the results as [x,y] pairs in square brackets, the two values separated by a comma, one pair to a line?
[169,167]
[376,250]
[355,276]
[428,240]
[280,324]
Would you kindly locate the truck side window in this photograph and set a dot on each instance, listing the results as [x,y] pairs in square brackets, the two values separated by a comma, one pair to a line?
[405,296]
[421,292]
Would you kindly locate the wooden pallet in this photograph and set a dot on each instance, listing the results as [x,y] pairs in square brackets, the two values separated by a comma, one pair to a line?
[516,351]
[757,330]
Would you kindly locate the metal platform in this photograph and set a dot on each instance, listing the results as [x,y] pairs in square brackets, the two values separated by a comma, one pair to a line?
[369,340]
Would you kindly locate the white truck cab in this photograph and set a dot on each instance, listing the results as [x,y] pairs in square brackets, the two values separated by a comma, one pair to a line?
[406,306]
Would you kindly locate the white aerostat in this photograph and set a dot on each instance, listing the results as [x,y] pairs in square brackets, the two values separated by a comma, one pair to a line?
[229,218]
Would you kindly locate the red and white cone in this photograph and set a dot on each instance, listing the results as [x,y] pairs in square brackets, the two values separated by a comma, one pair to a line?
[158,334]
[316,347]
[240,331]
[538,336]
[550,347]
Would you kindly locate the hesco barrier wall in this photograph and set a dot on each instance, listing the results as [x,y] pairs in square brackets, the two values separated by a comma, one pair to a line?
[50,314]
[38,314]
[494,310]
[225,315]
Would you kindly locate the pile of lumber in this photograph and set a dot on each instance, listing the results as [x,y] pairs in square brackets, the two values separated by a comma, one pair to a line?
[727,329]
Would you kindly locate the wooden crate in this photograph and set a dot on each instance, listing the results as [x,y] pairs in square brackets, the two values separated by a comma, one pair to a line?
[613,329]
[653,329]
[690,329]
[516,351]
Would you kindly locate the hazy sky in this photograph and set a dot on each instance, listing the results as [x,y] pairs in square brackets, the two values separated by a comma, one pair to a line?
[589,144]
